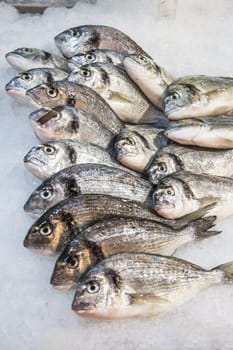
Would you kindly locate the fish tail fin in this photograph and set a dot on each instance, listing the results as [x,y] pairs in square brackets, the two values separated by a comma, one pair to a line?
[227,269]
[203,226]
[154,116]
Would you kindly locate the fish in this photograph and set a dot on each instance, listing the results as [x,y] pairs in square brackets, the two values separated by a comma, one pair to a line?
[87,179]
[25,58]
[48,158]
[182,193]
[211,132]
[61,223]
[141,285]
[175,158]
[92,37]
[123,96]
[96,56]
[198,96]
[18,86]
[149,77]
[78,96]
[65,122]
[115,236]
[136,146]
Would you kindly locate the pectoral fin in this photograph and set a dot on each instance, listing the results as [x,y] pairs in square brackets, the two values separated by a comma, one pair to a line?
[142,299]
[119,98]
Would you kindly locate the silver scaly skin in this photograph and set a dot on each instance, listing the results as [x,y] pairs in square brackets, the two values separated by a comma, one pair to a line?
[115,236]
[140,285]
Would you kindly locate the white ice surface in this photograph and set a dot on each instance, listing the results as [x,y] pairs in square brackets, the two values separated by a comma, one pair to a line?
[193,38]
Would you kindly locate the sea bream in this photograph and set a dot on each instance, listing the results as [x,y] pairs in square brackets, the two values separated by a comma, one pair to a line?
[135,146]
[65,122]
[87,179]
[47,159]
[90,37]
[25,58]
[182,193]
[117,89]
[211,132]
[78,96]
[173,158]
[139,285]
[198,96]
[149,77]
[96,56]
[61,223]
[115,236]
[18,86]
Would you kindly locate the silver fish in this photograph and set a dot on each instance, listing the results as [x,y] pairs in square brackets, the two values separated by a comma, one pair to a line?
[78,96]
[173,158]
[123,96]
[47,159]
[139,285]
[96,56]
[213,132]
[116,236]
[90,37]
[198,96]
[135,146]
[150,78]
[61,223]
[18,86]
[87,179]
[25,58]
[65,122]
[182,193]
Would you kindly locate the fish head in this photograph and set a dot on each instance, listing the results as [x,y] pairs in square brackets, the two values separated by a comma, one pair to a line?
[74,261]
[49,193]
[162,166]
[48,158]
[49,95]
[92,76]
[180,98]
[173,198]
[83,58]
[137,64]
[72,41]
[25,58]
[97,293]
[132,150]
[50,232]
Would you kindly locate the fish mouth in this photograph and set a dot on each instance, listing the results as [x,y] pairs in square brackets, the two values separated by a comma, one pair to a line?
[35,211]
[60,285]
[40,249]
[33,161]
[81,306]
[41,116]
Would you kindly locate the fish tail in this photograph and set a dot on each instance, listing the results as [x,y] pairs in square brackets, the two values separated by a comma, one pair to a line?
[154,116]
[203,226]
[227,269]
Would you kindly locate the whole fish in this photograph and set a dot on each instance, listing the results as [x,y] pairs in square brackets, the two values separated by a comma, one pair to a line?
[78,96]
[213,132]
[65,122]
[87,179]
[150,78]
[139,285]
[61,223]
[18,86]
[115,236]
[182,193]
[135,146]
[198,96]
[96,56]
[123,96]
[90,37]
[25,58]
[47,159]
[173,158]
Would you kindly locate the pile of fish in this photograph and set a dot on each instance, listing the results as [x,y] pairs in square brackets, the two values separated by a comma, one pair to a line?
[134,163]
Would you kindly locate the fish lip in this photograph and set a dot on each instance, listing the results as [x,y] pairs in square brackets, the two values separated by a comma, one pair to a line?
[59,285]
[33,160]
[30,210]
[81,307]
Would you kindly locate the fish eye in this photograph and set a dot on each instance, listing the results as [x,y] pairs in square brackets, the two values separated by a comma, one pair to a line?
[72,262]
[131,141]
[26,49]
[49,150]
[170,191]
[26,76]
[175,96]
[46,193]
[162,167]
[142,58]
[85,72]
[92,287]
[45,230]
[51,92]
[90,56]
